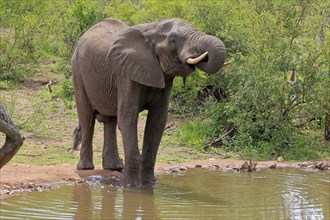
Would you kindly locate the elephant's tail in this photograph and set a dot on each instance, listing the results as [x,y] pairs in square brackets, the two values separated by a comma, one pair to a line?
[76,138]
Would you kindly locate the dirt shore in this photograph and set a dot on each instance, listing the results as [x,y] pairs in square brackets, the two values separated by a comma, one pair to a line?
[16,179]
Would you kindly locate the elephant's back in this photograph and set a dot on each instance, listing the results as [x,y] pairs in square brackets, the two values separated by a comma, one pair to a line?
[101,35]
[94,44]
[113,25]
[107,28]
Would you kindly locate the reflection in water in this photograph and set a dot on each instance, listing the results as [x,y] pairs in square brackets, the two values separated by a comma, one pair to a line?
[108,205]
[82,202]
[197,194]
[102,202]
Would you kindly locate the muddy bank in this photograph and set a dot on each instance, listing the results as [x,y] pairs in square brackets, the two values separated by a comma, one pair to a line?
[15,179]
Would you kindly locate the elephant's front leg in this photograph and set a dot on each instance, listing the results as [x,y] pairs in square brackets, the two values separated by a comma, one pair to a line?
[110,156]
[153,133]
[127,122]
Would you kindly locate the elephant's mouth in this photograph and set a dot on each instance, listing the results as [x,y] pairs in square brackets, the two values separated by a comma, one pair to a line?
[192,62]
[184,71]
[175,67]
[205,59]
[192,67]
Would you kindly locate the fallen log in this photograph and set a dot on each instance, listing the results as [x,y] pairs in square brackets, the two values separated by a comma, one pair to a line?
[219,141]
[13,140]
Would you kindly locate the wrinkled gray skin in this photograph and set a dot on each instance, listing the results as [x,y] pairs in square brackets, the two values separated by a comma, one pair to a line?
[119,71]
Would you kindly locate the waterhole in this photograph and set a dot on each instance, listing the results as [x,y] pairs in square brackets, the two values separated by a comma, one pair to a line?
[283,193]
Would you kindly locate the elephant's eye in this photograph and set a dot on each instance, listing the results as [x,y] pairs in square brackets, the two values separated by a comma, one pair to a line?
[172,42]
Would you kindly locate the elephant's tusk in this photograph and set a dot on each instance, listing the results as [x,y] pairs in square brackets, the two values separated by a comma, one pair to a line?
[196,60]
[227,64]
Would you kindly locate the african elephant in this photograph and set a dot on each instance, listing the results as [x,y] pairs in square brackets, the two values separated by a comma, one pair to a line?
[119,71]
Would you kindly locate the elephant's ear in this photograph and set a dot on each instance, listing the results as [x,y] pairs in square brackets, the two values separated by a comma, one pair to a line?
[133,56]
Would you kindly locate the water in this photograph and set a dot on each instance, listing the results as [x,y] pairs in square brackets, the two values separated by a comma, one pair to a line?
[283,193]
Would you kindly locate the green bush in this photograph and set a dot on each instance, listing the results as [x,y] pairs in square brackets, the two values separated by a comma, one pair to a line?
[268,42]
[19,31]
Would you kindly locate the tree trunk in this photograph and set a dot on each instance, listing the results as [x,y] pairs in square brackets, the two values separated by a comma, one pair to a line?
[327,126]
[13,141]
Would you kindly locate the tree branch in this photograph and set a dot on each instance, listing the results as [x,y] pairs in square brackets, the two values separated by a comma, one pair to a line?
[14,140]
[293,35]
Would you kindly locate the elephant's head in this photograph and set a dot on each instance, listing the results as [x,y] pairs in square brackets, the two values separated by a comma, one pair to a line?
[146,53]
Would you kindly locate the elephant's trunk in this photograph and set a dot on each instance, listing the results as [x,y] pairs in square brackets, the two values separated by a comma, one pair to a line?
[212,54]
[216,54]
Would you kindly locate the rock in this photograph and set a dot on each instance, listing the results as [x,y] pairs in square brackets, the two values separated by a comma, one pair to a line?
[39,189]
[302,165]
[198,166]
[323,166]
[314,166]
[272,166]
[174,170]
[280,159]
[214,167]
[5,191]
[183,169]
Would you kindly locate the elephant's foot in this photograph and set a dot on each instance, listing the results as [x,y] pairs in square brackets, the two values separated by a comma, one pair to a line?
[148,178]
[85,165]
[149,181]
[147,173]
[131,180]
[114,164]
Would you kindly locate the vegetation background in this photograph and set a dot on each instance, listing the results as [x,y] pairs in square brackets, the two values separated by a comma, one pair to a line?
[271,102]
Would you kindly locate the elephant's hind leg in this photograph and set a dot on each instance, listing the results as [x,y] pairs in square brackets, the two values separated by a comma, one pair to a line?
[110,156]
[86,150]
[86,116]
